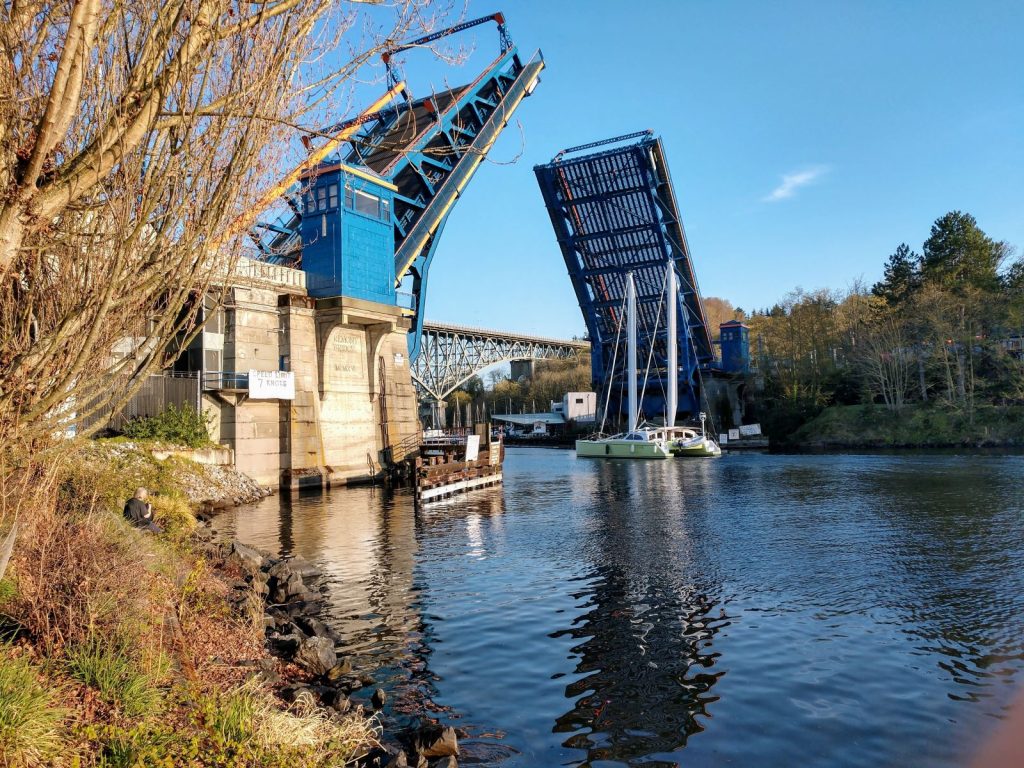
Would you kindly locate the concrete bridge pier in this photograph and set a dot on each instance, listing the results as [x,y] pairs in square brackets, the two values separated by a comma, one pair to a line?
[353,397]
[724,392]
[354,392]
[438,412]
[368,402]
[301,445]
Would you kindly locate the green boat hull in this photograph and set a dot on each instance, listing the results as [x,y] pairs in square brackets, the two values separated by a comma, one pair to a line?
[706,449]
[621,449]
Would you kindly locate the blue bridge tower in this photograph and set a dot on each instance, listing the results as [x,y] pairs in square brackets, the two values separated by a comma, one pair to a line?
[347,212]
[734,337]
[365,222]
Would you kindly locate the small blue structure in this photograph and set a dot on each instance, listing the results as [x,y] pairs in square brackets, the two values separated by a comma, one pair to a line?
[348,242]
[735,342]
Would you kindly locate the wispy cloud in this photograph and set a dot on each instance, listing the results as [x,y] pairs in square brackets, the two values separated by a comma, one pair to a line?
[791,182]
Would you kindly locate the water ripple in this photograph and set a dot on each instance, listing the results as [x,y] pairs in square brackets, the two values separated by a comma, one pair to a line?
[756,610]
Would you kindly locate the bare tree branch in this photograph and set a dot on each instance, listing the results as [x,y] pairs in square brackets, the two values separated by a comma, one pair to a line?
[138,141]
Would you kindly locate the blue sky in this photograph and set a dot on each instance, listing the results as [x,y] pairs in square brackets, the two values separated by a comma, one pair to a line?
[806,140]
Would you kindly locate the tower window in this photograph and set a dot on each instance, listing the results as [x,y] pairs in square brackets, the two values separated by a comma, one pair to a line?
[368,205]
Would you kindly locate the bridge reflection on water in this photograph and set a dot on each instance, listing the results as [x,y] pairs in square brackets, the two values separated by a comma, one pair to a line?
[646,653]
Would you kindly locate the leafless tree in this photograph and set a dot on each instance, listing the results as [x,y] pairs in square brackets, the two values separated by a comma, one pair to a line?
[137,141]
[886,361]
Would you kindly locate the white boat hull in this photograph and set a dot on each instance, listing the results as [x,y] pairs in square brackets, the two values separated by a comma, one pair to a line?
[704,448]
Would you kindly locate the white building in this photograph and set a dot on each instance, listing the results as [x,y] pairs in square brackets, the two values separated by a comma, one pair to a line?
[577,406]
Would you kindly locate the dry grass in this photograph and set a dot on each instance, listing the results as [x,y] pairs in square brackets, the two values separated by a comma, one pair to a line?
[82,571]
[144,659]
[174,514]
[77,576]
[248,715]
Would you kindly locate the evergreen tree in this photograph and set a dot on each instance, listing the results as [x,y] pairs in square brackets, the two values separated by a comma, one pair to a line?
[902,277]
[959,254]
[1013,280]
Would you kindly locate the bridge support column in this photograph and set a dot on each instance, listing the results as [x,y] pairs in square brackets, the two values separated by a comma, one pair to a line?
[438,413]
[523,369]
[724,397]
[367,398]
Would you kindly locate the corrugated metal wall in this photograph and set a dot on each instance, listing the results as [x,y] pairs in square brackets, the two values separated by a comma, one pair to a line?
[155,394]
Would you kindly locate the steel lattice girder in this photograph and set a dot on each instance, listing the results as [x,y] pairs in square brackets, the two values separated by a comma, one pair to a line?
[429,148]
[431,151]
[615,212]
[451,354]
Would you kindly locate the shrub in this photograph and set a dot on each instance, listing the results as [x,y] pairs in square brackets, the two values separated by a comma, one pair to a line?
[780,419]
[174,515]
[144,744]
[195,599]
[183,426]
[116,676]
[81,569]
[77,576]
[30,724]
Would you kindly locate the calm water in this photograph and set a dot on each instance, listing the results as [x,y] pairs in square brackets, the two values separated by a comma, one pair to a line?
[753,610]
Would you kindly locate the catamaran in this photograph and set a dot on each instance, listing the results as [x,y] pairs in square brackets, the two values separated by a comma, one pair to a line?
[651,442]
[636,442]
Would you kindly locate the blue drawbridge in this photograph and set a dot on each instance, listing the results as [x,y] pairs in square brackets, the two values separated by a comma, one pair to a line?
[366,220]
[614,211]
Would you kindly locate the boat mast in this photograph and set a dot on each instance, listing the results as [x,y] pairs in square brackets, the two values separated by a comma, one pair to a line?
[672,396]
[631,347]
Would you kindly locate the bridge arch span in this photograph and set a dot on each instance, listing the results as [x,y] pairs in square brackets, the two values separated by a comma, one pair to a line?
[450,354]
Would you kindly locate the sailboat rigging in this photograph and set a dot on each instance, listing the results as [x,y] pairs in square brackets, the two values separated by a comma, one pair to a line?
[641,441]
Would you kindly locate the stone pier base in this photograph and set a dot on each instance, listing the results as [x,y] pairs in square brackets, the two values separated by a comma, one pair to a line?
[353,387]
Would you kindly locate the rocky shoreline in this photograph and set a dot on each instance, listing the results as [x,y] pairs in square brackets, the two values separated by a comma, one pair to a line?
[309,666]
[208,488]
[313,666]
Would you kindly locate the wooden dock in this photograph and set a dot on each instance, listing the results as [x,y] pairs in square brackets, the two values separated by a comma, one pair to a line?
[451,462]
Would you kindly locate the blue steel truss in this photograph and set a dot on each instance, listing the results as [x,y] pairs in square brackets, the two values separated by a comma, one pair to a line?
[450,135]
[615,212]
[429,148]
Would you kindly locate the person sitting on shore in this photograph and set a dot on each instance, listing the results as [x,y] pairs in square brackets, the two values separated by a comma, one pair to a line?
[139,512]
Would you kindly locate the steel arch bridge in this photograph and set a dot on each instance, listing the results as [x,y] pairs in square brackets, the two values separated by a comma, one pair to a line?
[451,354]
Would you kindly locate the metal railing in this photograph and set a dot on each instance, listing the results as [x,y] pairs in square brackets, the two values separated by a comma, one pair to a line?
[447,436]
[225,380]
